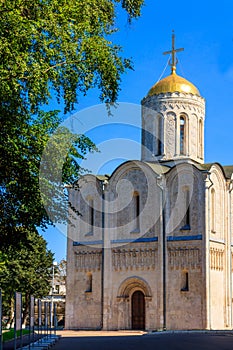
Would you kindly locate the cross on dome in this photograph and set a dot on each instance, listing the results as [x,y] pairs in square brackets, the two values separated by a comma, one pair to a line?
[173,52]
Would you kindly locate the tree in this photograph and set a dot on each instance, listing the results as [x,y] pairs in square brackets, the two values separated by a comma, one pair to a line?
[26,268]
[61,271]
[59,47]
[59,44]
[20,201]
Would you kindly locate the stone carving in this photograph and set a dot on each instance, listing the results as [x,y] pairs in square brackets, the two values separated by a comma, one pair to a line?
[88,260]
[170,135]
[161,103]
[134,258]
[216,259]
[180,258]
[193,136]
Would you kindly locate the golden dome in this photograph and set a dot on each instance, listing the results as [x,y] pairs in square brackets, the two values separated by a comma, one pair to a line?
[173,83]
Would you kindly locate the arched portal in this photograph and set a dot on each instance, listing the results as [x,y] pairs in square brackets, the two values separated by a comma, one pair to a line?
[134,296]
[138,310]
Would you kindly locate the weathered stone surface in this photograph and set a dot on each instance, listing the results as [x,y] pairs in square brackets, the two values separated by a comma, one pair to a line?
[162,226]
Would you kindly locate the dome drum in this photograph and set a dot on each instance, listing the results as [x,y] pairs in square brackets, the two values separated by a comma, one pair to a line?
[174,112]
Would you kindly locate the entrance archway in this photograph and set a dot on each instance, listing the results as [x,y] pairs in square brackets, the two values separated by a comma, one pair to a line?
[138,310]
[134,293]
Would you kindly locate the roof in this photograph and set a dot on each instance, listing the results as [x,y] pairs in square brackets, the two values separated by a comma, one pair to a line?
[227,169]
[158,168]
[173,83]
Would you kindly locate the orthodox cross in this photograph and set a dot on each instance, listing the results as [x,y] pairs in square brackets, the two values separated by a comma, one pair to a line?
[173,62]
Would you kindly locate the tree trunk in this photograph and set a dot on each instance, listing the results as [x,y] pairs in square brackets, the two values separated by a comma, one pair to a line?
[10,321]
[26,310]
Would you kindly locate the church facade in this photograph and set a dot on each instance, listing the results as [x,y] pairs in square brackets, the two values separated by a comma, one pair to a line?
[152,248]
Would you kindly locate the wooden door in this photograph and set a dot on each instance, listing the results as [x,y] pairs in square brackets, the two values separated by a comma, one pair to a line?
[138,310]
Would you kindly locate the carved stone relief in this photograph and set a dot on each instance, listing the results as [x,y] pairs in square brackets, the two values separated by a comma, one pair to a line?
[181,258]
[170,135]
[88,260]
[216,259]
[143,258]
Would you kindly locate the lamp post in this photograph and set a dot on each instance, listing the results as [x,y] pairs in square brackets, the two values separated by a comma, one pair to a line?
[51,312]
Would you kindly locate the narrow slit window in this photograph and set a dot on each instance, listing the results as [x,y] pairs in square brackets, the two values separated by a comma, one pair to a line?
[89,283]
[182,135]
[89,217]
[91,213]
[137,201]
[159,139]
[186,222]
[136,211]
[185,281]
[187,207]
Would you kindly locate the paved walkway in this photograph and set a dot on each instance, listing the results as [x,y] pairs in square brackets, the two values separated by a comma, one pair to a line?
[138,340]
[98,340]
[129,340]
[68,333]
[9,345]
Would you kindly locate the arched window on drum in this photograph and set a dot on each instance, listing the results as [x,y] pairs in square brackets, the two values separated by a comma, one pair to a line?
[183,135]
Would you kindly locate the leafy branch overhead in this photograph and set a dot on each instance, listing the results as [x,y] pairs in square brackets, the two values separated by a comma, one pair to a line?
[47,48]
[60,44]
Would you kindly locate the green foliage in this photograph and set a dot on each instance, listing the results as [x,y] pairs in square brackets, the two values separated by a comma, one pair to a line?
[9,335]
[59,168]
[133,7]
[62,46]
[27,268]
[59,46]
[60,272]
[21,193]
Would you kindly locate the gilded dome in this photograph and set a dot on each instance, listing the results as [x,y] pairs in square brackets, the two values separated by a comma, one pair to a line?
[173,83]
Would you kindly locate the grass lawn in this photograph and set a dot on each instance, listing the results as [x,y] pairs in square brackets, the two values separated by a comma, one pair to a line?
[9,335]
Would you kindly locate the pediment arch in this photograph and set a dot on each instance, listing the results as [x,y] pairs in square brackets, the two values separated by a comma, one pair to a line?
[131,284]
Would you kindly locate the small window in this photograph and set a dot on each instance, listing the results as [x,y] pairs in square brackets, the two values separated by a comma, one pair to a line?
[159,139]
[89,283]
[90,216]
[186,221]
[136,212]
[182,135]
[91,213]
[185,281]
[187,207]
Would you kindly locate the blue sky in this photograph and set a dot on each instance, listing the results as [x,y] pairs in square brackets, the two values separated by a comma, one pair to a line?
[205,30]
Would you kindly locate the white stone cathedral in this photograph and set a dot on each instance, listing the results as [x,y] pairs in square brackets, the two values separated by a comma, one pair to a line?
[152,248]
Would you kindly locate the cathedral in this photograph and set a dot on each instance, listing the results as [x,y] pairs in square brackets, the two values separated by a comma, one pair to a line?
[152,246]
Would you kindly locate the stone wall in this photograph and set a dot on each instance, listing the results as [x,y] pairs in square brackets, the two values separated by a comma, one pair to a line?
[185,286]
[197,260]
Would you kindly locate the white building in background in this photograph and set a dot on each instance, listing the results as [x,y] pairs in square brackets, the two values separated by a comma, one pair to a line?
[153,246]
